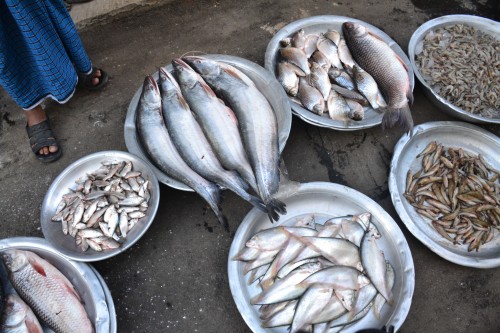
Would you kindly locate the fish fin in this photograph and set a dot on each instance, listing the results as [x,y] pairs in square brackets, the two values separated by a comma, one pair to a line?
[375,36]
[183,102]
[401,116]
[274,208]
[409,95]
[234,72]
[207,89]
[39,268]
[71,290]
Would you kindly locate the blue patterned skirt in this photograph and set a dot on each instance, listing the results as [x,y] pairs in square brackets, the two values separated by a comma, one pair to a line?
[40,51]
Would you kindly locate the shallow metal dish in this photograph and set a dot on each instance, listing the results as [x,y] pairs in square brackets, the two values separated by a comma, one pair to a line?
[481,23]
[264,81]
[327,200]
[113,325]
[318,24]
[66,180]
[81,275]
[451,134]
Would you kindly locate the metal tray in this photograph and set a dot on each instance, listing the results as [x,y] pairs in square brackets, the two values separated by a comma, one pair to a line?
[481,23]
[264,81]
[65,244]
[318,24]
[452,134]
[79,274]
[327,200]
[113,325]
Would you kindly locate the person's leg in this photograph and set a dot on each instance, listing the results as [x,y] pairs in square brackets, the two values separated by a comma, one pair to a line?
[36,116]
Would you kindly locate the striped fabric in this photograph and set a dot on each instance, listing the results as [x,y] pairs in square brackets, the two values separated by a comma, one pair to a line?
[40,51]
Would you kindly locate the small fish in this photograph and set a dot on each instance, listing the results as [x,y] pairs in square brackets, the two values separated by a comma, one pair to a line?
[288,78]
[299,39]
[342,78]
[297,57]
[311,44]
[366,85]
[311,98]
[320,80]
[330,50]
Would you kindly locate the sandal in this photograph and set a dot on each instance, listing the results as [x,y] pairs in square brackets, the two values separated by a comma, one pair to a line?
[86,79]
[40,136]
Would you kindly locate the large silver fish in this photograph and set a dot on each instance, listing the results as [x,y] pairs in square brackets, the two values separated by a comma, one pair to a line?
[388,70]
[192,144]
[47,291]
[257,122]
[218,122]
[156,140]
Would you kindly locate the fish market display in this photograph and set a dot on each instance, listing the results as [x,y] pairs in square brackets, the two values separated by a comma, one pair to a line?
[335,74]
[318,277]
[459,192]
[47,292]
[207,125]
[104,207]
[461,63]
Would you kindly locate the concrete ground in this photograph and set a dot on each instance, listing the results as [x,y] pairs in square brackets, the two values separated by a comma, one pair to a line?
[175,278]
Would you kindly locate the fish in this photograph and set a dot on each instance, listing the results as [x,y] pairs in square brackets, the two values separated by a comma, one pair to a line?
[333,35]
[337,106]
[320,80]
[192,144]
[357,111]
[155,139]
[339,277]
[299,39]
[297,57]
[330,50]
[374,263]
[379,300]
[342,78]
[311,44]
[345,56]
[319,58]
[218,122]
[257,123]
[47,291]
[288,79]
[311,98]
[388,70]
[366,85]
[282,317]
[17,317]
[310,305]
[351,94]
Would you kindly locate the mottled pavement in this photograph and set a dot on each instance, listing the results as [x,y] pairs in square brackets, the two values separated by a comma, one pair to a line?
[175,278]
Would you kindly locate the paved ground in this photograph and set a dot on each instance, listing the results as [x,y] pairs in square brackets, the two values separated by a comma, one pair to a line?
[175,278]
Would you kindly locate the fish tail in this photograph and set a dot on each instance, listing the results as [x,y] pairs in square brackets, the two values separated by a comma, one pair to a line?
[274,208]
[398,116]
[212,196]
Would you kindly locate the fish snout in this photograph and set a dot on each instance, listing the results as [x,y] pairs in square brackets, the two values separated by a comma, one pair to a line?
[180,64]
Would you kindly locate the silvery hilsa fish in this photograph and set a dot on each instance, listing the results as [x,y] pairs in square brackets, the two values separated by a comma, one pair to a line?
[388,70]
[47,291]
[156,140]
[257,122]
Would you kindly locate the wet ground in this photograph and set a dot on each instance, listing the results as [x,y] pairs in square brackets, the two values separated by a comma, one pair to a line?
[175,278]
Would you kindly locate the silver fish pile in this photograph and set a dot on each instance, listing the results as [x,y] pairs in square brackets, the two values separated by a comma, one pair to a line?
[318,277]
[459,192]
[104,207]
[194,137]
[35,287]
[461,64]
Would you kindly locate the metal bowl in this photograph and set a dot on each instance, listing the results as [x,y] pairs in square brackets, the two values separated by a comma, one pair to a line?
[318,24]
[327,200]
[86,281]
[451,134]
[66,180]
[480,23]
[264,81]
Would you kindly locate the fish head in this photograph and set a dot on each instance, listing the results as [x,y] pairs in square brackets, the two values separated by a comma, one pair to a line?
[353,30]
[203,66]
[14,260]
[186,75]
[334,72]
[15,311]
[150,92]
[168,84]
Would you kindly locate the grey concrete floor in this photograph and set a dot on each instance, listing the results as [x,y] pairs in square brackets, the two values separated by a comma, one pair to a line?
[175,278]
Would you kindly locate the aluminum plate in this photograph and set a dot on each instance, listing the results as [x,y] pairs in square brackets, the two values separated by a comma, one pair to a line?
[315,25]
[79,274]
[327,200]
[264,81]
[481,23]
[451,134]
[66,180]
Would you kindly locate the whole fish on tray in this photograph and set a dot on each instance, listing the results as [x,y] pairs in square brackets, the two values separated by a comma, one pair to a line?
[159,146]
[191,143]
[389,71]
[47,291]
[257,123]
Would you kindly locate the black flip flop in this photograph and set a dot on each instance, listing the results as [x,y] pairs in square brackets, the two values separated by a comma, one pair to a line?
[40,136]
[86,79]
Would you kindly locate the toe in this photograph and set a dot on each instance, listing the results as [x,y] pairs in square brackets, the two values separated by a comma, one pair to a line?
[53,149]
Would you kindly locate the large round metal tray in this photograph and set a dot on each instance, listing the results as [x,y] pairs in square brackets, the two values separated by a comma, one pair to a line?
[451,134]
[480,23]
[65,244]
[318,24]
[81,275]
[264,81]
[327,200]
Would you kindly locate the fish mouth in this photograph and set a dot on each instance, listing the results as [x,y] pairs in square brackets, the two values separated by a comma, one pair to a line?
[180,64]
[151,82]
[347,26]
